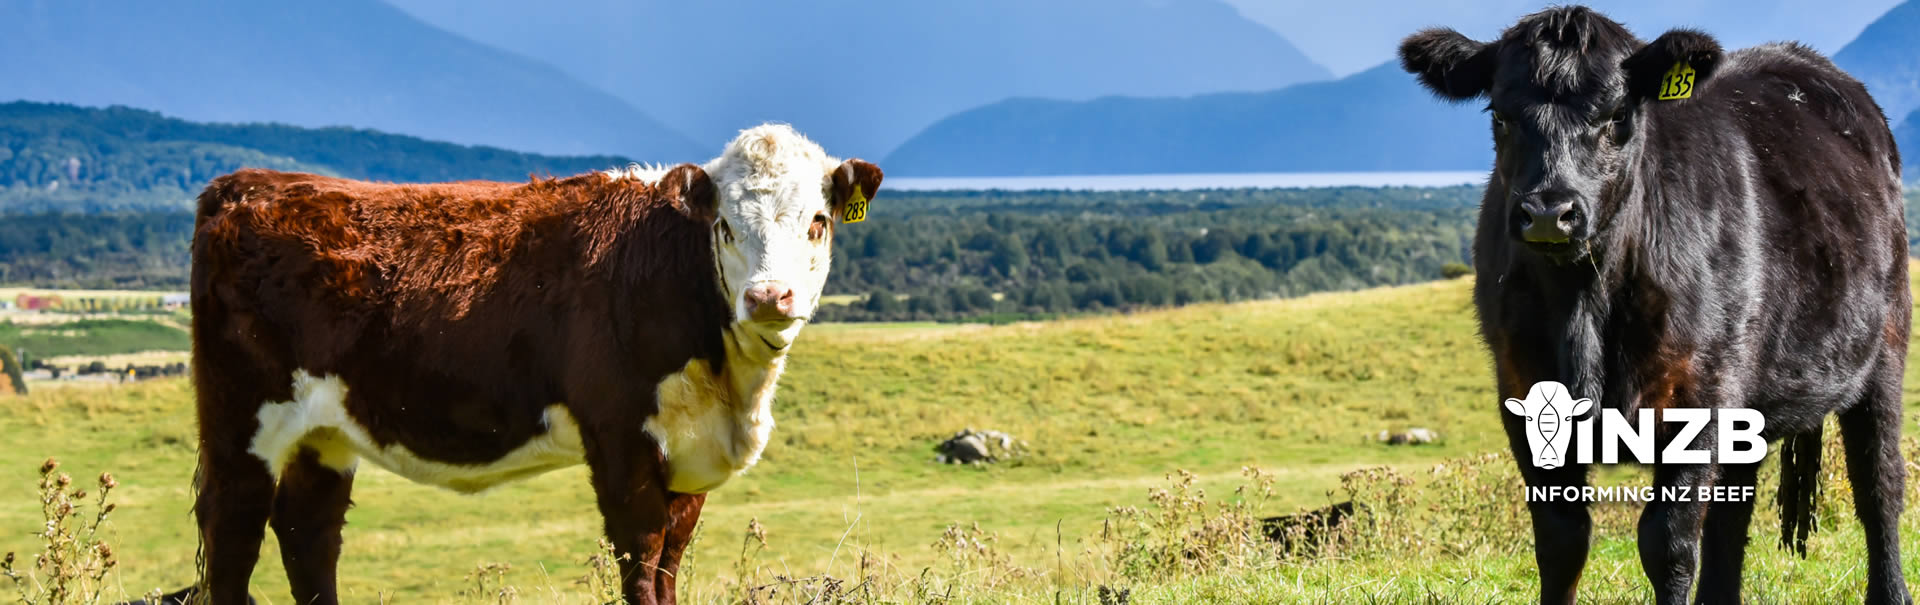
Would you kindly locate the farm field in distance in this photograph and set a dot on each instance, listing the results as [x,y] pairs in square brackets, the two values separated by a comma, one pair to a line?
[1111,407]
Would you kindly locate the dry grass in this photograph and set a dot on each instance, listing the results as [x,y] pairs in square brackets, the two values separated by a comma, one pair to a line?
[73,560]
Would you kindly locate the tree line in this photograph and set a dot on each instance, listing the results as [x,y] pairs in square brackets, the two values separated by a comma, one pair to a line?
[1001,255]
[974,256]
[57,157]
[961,255]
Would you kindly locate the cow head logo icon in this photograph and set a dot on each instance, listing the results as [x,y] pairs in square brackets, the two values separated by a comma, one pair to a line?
[1549,410]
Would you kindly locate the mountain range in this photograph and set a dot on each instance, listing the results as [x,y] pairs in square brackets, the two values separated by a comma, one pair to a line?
[861,76]
[359,63]
[1907,136]
[1378,119]
[1886,56]
[985,87]
[63,157]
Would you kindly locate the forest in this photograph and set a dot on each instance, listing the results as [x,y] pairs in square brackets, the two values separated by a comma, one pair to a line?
[962,255]
[974,256]
[1006,255]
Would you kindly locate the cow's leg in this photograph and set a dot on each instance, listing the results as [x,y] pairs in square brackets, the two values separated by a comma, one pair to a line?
[1670,527]
[630,483]
[1723,548]
[1562,530]
[309,508]
[235,497]
[683,515]
[1871,429]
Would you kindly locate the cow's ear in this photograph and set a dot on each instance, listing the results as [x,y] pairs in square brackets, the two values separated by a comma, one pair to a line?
[1516,407]
[1450,64]
[1672,66]
[1580,408]
[691,192]
[854,182]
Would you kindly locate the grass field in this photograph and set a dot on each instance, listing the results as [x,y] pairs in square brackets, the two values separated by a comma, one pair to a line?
[94,337]
[1111,407]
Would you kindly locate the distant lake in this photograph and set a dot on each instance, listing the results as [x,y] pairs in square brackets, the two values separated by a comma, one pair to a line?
[1136,182]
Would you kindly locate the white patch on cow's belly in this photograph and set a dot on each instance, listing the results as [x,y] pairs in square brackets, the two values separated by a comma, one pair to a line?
[317,419]
[706,436]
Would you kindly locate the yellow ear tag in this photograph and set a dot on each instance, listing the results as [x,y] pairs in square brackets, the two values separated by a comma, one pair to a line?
[856,207]
[1678,83]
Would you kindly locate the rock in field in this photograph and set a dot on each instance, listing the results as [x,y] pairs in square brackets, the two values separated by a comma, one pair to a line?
[1412,436]
[978,447]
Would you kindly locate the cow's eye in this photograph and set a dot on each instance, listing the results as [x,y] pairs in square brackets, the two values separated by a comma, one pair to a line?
[1499,123]
[1611,119]
[819,228]
[726,231]
[1616,126]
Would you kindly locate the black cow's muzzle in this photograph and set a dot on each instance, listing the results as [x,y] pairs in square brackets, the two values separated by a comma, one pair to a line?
[1545,221]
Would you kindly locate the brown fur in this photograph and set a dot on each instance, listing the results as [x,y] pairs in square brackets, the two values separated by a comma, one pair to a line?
[456,313]
[850,173]
[1670,386]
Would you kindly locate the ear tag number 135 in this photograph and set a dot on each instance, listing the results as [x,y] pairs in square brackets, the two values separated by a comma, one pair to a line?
[1678,83]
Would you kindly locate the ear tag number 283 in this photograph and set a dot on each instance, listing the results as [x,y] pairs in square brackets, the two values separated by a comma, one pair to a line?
[1678,83]
[856,207]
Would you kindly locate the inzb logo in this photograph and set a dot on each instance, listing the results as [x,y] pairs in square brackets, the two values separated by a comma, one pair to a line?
[1560,431]
[1549,411]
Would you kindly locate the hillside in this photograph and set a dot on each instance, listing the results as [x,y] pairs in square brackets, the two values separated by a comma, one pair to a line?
[348,62]
[1907,135]
[863,75]
[1886,56]
[68,158]
[1108,405]
[1138,430]
[1379,119]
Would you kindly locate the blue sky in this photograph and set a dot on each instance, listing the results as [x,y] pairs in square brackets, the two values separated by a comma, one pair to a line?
[1347,36]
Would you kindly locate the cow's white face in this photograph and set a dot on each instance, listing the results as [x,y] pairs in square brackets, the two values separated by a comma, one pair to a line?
[774,240]
[779,196]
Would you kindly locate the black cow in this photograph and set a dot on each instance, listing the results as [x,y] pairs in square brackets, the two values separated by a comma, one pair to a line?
[1668,225]
[1306,532]
[184,596]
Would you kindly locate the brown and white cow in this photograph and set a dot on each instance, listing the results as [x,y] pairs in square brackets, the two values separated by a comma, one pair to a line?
[468,334]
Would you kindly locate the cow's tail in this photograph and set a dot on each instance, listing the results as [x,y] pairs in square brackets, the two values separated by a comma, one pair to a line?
[1799,489]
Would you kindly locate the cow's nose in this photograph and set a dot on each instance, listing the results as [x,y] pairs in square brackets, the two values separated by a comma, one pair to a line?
[770,301]
[1547,219]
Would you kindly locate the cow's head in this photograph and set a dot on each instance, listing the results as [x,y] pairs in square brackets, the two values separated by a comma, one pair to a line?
[778,197]
[1549,411]
[1567,91]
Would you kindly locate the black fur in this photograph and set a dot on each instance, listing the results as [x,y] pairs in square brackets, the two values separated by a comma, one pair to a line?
[1744,247]
[1450,64]
[184,596]
[1646,67]
[1304,533]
